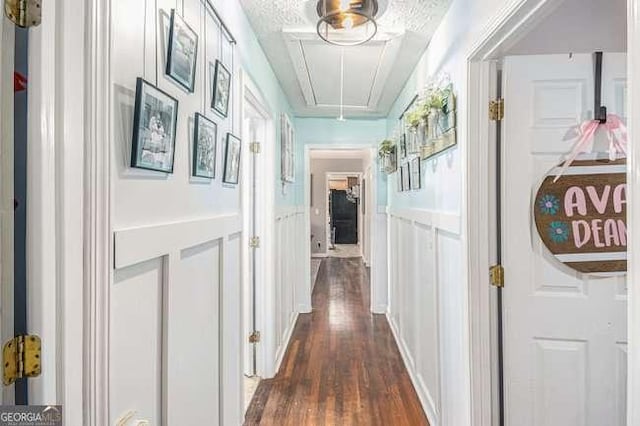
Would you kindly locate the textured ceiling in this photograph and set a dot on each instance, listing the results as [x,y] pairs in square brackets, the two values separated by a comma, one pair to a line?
[269,16]
[286,31]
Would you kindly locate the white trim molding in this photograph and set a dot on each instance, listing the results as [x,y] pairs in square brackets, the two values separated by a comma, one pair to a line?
[449,222]
[136,245]
[253,97]
[56,151]
[98,242]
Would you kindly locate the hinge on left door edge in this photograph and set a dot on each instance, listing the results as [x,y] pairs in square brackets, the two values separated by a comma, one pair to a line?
[254,147]
[254,337]
[24,13]
[21,358]
[254,242]
[496,276]
[496,110]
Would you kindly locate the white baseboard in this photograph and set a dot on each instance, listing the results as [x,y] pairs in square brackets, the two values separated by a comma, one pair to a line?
[304,309]
[379,309]
[319,255]
[423,394]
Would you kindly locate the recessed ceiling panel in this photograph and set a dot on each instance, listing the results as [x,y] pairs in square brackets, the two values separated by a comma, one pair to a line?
[323,66]
[375,73]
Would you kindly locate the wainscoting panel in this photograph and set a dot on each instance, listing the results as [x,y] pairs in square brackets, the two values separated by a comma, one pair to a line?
[135,353]
[379,262]
[193,338]
[425,310]
[175,323]
[290,279]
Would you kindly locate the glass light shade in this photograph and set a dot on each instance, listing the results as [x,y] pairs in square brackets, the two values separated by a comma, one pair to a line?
[347,22]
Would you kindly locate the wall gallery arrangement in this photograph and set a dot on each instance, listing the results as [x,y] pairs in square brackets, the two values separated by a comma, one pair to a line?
[426,128]
[221,89]
[388,157]
[204,147]
[232,160]
[287,150]
[154,128]
[156,112]
[182,52]
[414,167]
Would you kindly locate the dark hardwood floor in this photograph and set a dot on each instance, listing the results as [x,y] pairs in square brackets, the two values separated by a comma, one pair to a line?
[342,366]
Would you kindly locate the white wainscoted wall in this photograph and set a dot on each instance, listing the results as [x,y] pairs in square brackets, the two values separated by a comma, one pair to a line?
[174,312]
[175,299]
[425,315]
[290,296]
[176,287]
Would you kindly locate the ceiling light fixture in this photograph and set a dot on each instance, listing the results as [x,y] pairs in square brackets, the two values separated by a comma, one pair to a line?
[347,22]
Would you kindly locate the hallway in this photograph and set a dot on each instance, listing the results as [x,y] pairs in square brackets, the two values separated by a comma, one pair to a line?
[342,365]
[320,212]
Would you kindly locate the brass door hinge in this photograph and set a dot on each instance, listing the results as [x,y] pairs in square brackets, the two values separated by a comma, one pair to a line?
[254,337]
[254,147]
[496,276]
[496,110]
[23,13]
[21,358]
[254,242]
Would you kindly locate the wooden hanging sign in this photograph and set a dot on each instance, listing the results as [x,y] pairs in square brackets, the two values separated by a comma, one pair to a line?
[582,217]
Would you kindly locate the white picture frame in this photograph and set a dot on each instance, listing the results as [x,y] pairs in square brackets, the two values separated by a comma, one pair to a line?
[287,150]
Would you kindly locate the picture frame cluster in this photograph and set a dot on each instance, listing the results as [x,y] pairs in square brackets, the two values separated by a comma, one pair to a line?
[428,125]
[155,120]
[410,175]
[426,128]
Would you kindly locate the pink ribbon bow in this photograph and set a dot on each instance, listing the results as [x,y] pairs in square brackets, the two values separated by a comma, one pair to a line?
[586,133]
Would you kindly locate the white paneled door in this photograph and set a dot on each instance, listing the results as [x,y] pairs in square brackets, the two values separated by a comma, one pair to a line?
[564,333]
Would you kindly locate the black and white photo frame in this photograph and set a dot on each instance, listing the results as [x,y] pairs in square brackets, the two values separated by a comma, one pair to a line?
[205,136]
[231,172]
[221,89]
[416,177]
[182,52]
[154,128]
[406,177]
[287,150]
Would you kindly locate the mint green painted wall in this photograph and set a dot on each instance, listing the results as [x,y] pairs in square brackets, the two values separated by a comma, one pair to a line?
[254,62]
[456,36]
[330,131]
[441,175]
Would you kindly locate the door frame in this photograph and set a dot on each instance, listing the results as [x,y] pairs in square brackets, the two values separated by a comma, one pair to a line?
[98,210]
[7,38]
[478,206]
[633,214]
[327,177]
[265,299]
[57,203]
[378,287]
